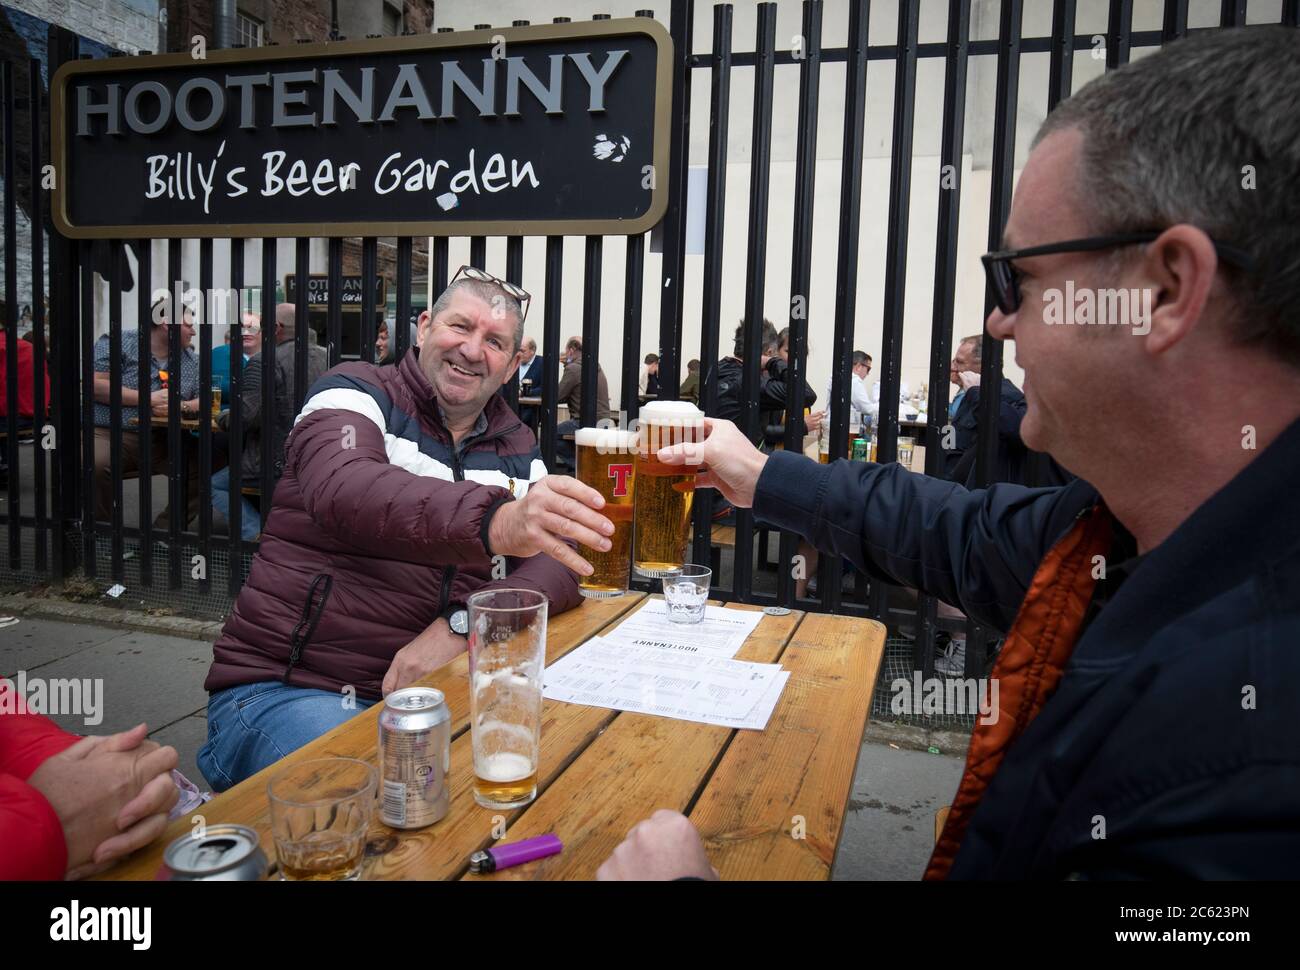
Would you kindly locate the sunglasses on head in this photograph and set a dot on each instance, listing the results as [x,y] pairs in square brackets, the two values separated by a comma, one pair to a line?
[1004,279]
[511,289]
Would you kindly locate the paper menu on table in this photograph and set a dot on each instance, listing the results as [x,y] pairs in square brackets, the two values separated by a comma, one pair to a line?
[757,719]
[651,680]
[720,634]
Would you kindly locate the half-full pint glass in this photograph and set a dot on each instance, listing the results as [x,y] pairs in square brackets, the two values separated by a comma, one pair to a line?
[605,457]
[507,652]
[664,493]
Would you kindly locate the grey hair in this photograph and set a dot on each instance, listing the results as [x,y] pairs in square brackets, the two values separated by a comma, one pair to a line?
[976,341]
[489,293]
[1175,137]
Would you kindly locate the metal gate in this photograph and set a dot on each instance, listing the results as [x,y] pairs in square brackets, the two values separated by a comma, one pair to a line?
[53,532]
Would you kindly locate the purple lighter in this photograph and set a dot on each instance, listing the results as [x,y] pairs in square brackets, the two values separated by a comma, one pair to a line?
[514,853]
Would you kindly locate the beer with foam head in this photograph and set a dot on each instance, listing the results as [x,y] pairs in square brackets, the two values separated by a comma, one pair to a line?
[664,493]
[605,459]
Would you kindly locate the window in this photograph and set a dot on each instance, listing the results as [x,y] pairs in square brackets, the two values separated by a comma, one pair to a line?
[248,30]
[392,21]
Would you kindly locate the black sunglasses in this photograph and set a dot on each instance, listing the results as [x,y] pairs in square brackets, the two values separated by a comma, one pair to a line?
[1004,279]
[483,276]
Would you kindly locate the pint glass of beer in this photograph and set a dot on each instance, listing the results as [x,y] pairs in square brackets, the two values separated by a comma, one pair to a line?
[507,652]
[604,460]
[664,493]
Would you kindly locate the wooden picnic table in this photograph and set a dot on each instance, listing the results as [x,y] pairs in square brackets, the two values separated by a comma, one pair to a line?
[602,771]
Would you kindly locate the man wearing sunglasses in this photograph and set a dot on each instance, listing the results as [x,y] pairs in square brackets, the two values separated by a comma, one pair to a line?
[405,489]
[1147,724]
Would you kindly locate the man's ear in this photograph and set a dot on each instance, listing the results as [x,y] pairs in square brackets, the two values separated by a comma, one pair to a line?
[1178,271]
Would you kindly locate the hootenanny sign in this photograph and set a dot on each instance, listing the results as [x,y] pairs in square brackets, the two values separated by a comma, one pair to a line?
[534,130]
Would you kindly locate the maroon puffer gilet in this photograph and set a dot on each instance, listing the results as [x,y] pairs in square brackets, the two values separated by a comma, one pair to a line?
[377,528]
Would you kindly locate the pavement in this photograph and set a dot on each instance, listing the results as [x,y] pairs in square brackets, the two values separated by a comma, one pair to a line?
[153,667]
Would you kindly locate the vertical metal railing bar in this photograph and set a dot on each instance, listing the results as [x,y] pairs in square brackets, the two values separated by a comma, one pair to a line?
[900,193]
[369,270]
[672,288]
[1119,31]
[514,274]
[64,381]
[592,268]
[801,268]
[945,282]
[633,311]
[1003,165]
[176,465]
[1003,169]
[402,337]
[11,319]
[1232,13]
[633,284]
[1061,72]
[117,564]
[267,408]
[144,414]
[235,519]
[334,307]
[478,251]
[207,312]
[40,409]
[89,559]
[756,272]
[714,221]
[301,325]
[438,268]
[846,269]
[551,345]
[1175,21]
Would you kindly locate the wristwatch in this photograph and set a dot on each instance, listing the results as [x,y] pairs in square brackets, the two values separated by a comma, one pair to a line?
[458,620]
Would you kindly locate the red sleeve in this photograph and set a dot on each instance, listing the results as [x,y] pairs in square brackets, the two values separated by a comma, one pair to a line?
[30,832]
[26,739]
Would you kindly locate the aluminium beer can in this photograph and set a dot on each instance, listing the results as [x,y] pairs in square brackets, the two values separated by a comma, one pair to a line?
[414,757]
[221,853]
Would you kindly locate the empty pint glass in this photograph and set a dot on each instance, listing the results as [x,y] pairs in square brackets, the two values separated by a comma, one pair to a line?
[604,461]
[507,652]
[664,493]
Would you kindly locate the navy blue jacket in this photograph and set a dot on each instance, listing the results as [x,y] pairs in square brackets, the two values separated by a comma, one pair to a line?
[959,462]
[1177,720]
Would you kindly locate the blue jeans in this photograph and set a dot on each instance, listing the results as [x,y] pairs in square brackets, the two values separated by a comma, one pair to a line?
[250,523]
[254,725]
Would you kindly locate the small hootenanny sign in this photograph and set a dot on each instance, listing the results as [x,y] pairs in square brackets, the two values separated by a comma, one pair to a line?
[531,130]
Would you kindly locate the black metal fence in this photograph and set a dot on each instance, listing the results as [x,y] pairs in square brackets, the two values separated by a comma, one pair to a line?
[56,534]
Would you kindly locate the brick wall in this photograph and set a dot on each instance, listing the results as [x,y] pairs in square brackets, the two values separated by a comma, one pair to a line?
[130,27]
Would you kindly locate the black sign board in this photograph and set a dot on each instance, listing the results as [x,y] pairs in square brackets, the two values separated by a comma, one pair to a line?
[533,130]
[318,291]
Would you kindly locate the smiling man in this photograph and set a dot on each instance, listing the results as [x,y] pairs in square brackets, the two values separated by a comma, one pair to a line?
[1148,723]
[405,489]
